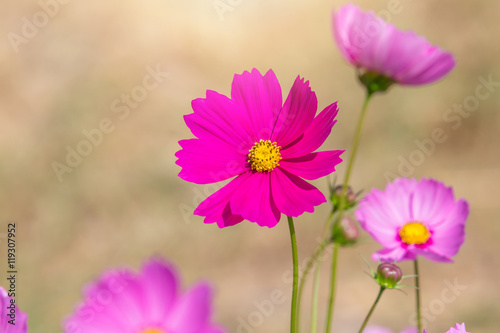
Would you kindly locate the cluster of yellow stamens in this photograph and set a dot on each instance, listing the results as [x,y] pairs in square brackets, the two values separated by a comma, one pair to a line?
[414,233]
[264,156]
[152,331]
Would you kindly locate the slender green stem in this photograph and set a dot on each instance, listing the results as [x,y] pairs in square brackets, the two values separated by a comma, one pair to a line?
[332,287]
[355,145]
[312,259]
[293,328]
[417,285]
[314,308]
[371,310]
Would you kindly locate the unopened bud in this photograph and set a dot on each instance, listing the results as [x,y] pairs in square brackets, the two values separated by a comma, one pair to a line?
[375,82]
[336,197]
[346,232]
[388,275]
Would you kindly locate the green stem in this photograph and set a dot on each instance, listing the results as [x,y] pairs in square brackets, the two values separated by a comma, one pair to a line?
[371,310]
[312,259]
[314,308]
[417,285]
[332,287]
[355,145]
[293,328]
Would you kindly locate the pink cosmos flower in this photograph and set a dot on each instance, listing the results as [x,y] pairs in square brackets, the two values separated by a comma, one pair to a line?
[459,328]
[266,145]
[413,218]
[368,42]
[147,302]
[380,329]
[12,320]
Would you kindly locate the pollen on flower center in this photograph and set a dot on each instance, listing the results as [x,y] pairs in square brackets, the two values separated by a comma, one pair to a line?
[264,156]
[414,233]
[152,331]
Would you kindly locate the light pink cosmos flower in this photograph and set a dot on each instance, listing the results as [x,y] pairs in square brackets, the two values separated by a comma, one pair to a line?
[380,329]
[147,302]
[459,328]
[412,218]
[12,320]
[368,42]
[266,145]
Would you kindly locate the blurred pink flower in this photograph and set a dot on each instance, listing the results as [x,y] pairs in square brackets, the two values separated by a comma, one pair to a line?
[412,218]
[148,302]
[459,328]
[266,145]
[12,320]
[380,329]
[368,42]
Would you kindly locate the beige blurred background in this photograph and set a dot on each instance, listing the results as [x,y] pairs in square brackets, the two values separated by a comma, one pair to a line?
[124,202]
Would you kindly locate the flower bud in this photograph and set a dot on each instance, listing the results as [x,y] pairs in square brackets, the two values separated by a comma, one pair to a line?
[388,275]
[336,195]
[346,232]
[375,82]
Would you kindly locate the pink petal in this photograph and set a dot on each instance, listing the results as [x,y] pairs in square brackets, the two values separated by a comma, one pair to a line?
[192,312]
[379,217]
[394,254]
[297,113]
[449,236]
[158,280]
[254,201]
[431,202]
[343,21]
[218,119]
[458,329]
[376,329]
[428,68]
[115,293]
[398,198]
[315,134]
[20,319]
[260,97]
[367,41]
[216,207]
[427,253]
[205,162]
[294,196]
[314,165]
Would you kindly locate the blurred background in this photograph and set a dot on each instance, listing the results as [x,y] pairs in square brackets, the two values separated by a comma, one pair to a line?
[69,68]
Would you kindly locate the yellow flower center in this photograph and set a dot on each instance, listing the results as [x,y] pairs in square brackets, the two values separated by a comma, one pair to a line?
[264,156]
[414,233]
[152,331]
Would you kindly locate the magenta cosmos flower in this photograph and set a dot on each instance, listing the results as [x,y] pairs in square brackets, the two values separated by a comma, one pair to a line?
[148,302]
[380,329]
[412,218]
[266,145]
[12,320]
[368,42]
